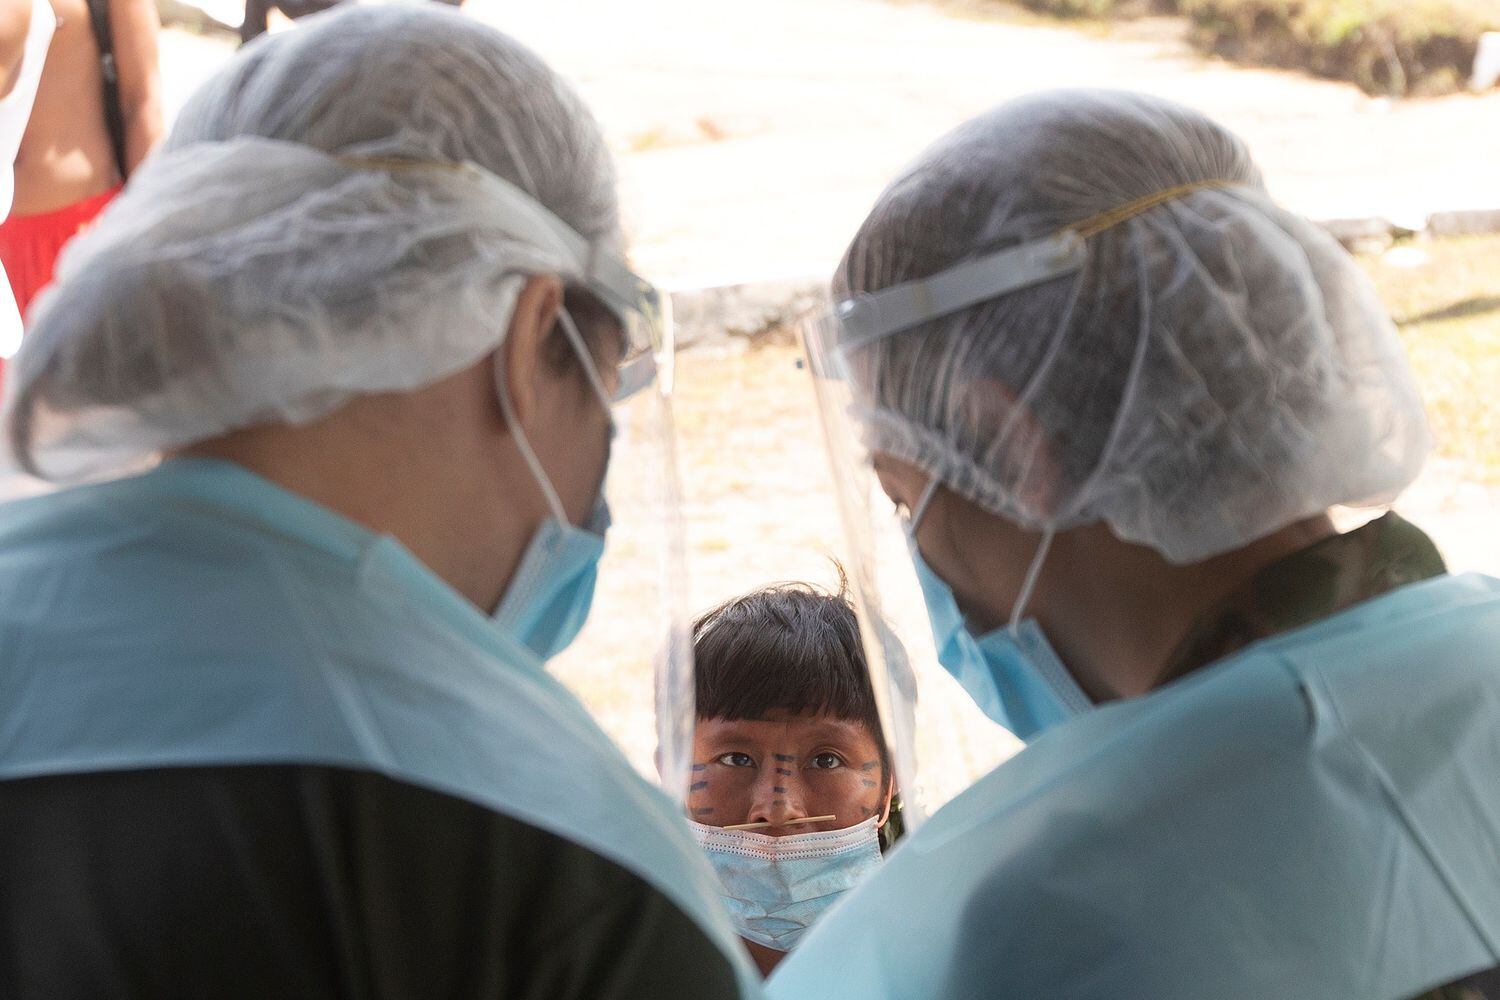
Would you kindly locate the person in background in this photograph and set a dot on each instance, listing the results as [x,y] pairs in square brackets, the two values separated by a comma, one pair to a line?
[793,795]
[96,118]
[263,16]
[276,718]
[1116,389]
[26,30]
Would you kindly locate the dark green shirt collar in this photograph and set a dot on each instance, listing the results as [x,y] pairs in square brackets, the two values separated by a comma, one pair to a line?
[1307,586]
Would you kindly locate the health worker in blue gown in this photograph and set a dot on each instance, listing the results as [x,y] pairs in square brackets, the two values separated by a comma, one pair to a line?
[328,395]
[1114,390]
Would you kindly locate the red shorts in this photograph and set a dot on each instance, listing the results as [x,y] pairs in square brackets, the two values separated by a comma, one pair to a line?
[29,244]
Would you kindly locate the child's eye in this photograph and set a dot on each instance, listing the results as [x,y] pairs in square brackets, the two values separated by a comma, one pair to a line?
[827,761]
[736,759]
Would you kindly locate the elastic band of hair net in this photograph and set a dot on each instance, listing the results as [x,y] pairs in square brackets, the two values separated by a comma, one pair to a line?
[1189,364]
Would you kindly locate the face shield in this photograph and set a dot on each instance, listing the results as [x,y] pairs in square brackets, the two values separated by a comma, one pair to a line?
[926,740]
[638,625]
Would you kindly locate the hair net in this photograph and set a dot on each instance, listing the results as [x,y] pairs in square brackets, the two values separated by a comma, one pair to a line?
[1212,369]
[277,257]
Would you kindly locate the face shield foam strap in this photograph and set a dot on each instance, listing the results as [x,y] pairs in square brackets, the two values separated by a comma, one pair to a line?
[869,317]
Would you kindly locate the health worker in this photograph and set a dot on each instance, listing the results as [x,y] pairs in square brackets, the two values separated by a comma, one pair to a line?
[1116,389]
[328,393]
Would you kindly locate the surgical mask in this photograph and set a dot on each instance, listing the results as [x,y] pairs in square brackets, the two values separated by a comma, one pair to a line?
[777,887]
[1013,673]
[549,595]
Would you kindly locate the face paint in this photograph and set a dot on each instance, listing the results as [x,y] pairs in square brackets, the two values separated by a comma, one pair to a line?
[778,772]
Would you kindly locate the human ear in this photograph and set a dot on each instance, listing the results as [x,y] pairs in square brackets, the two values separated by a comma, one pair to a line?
[1029,464]
[526,341]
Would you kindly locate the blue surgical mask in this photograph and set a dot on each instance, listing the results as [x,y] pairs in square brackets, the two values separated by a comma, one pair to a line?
[1013,673]
[549,595]
[777,887]
[548,598]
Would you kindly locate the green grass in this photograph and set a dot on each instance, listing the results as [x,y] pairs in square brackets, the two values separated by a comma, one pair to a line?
[1397,47]
[1448,311]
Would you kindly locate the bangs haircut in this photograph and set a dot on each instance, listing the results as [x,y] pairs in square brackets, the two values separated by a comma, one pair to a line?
[790,647]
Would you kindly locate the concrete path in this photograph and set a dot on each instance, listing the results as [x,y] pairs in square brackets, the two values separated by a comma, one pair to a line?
[753,138]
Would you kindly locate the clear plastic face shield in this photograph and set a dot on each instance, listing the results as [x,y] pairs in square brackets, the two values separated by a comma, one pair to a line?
[943,743]
[638,627]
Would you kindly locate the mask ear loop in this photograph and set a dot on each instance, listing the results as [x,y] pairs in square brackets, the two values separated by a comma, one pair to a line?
[1033,573]
[591,372]
[524,446]
[581,348]
[923,502]
[885,816]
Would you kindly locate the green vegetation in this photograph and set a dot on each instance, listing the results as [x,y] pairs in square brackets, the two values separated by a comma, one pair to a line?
[1447,305]
[1396,47]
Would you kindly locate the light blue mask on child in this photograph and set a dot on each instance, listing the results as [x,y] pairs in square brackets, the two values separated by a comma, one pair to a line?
[1013,673]
[777,887]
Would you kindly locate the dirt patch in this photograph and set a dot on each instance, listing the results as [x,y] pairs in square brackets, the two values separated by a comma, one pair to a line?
[1400,53]
[1399,48]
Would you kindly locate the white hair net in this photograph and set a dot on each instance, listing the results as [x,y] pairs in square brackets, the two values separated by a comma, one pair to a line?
[1216,369]
[276,258]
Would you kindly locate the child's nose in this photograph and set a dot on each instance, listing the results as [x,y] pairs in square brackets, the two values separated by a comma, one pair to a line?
[778,797]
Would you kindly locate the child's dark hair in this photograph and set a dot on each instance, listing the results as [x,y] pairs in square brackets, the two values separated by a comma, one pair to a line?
[794,648]
[810,637]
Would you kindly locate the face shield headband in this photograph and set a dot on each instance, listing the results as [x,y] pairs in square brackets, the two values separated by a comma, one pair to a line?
[871,316]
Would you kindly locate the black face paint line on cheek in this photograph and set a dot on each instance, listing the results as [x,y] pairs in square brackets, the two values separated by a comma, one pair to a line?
[698,786]
[863,781]
[784,758]
[866,811]
[869,765]
[778,791]
[700,767]
[707,811]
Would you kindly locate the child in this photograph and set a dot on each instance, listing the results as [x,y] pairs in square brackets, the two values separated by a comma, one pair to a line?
[793,795]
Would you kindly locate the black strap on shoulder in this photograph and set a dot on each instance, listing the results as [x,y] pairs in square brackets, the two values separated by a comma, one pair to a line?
[114,115]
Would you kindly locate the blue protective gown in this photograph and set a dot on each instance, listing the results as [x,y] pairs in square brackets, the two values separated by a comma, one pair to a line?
[198,615]
[1317,816]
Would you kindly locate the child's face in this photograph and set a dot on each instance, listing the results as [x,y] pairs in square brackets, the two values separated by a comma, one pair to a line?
[785,767]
